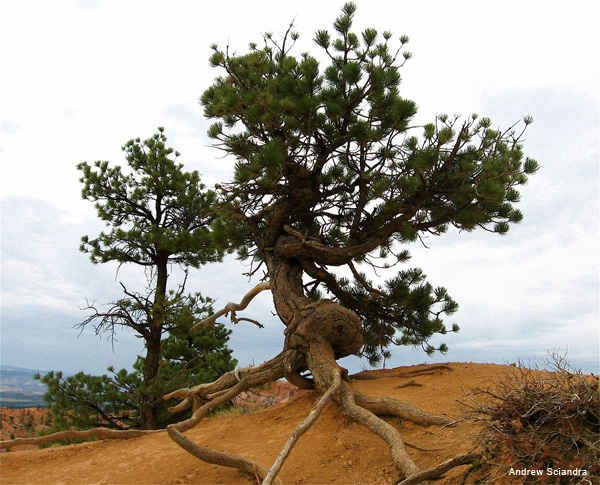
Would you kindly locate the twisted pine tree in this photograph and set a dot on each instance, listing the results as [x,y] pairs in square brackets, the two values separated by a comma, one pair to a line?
[331,178]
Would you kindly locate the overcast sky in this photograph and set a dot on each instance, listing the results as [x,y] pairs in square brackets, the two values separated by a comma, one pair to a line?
[79,79]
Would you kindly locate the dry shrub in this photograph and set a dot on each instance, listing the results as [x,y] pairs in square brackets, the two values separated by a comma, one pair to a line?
[229,411]
[541,421]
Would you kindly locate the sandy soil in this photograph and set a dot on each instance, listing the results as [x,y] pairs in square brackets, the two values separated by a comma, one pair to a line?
[333,451]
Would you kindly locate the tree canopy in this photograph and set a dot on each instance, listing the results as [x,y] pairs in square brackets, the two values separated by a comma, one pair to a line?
[156,211]
[332,173]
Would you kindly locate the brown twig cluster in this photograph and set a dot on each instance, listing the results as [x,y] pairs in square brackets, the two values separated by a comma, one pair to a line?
[542,427]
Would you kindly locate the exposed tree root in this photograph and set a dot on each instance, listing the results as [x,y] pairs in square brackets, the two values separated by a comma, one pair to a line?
[293,362]
[385,431]
[100,433]
[391,407]
[255,376]
[219,457]
[222,391]
[329,378]
[310,338]
[175,432]
[313,342]
[322,363]
[327,374]
[302,428]
[439,470]
[428,370]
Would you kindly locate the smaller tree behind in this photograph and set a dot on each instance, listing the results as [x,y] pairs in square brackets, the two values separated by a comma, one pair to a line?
[158,216]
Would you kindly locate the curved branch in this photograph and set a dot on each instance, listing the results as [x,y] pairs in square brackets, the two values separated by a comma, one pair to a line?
[338,256]
[345,297]
[365,284]
[234,307]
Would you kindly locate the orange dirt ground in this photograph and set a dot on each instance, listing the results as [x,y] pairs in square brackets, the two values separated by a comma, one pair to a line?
[333,451]
[14,424]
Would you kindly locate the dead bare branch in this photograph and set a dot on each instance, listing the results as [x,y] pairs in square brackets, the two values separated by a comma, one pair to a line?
[234,307]
[237,320]
[405,373]
[100,433]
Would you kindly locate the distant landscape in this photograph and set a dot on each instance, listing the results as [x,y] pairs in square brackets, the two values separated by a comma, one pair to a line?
[18,388]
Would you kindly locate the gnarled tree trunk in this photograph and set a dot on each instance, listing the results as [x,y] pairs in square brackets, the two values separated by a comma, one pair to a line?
[317,334]
[310,324]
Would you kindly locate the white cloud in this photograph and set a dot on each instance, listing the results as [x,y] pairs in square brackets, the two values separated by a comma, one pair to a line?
[41,263]
[81,79]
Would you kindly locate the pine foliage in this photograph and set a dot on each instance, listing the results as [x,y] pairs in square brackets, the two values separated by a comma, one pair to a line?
[115,399]
[154,208]
[158,215]
[325,145]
